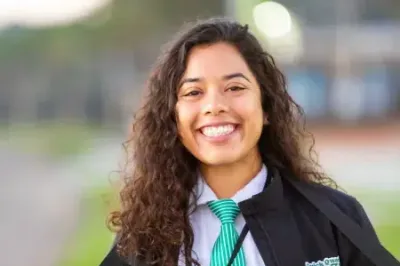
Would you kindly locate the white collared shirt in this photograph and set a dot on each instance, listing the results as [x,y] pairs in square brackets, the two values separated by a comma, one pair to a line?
[206,226]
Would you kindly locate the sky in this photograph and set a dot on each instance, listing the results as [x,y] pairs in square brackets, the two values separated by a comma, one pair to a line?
[44,13]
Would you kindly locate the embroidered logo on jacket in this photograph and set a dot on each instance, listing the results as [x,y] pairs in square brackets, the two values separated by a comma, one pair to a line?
[333,261]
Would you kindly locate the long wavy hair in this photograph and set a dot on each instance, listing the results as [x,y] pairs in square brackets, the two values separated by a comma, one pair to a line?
[153,222]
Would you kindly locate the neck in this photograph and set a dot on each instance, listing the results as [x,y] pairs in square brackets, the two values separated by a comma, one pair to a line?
[226,180]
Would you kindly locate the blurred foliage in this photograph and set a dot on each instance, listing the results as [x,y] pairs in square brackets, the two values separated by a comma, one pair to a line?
[52,140]
[124,24]
[83,71]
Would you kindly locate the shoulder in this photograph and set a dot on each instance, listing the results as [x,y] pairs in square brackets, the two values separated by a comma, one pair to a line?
[346,203]
[343,200]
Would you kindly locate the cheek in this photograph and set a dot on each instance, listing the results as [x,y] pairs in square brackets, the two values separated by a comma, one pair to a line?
[256,118]
[180,124]
[257,111]
[185,119]
[251,111]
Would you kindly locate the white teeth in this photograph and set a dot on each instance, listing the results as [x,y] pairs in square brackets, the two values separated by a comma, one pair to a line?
[217,131]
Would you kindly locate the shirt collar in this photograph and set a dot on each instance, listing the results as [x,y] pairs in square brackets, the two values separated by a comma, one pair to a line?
[255,186]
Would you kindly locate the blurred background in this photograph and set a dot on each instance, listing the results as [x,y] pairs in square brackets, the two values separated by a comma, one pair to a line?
[72,73]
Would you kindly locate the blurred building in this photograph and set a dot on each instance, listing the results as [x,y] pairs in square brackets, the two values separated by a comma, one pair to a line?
[348,66]
[342,65]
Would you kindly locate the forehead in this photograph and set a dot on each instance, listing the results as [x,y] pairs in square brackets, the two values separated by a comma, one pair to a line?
[215,60]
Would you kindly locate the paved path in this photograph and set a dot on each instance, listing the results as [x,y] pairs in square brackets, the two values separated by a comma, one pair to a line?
[38,206]
[370,167]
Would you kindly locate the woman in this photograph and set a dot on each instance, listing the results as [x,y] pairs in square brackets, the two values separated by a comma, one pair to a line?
[219,150]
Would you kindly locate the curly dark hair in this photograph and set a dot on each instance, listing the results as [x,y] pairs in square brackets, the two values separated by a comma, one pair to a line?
[153,222]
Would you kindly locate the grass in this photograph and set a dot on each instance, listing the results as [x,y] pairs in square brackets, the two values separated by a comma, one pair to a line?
[383,208]
[56,140]
[92,240]
[390,235]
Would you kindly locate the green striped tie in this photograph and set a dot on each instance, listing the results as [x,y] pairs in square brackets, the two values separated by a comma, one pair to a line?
[227,211]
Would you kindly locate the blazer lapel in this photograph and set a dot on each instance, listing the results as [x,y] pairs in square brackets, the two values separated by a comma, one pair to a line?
[273,226]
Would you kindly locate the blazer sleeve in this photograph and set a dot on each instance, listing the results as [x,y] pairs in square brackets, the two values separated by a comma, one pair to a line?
[362,219]
[351,255]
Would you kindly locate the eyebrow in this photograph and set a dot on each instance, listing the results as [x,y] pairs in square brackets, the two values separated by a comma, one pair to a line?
[236,75]
[225,77]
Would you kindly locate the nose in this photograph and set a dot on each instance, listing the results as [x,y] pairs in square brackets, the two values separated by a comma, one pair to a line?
[214,103]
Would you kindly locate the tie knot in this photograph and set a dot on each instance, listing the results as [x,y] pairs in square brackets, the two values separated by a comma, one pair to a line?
[225,209]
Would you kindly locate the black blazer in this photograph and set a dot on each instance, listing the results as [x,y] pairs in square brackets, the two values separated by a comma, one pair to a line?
[288,230]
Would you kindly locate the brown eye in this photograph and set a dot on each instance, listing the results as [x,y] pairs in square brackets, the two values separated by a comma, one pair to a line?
[192,93]
[236,88]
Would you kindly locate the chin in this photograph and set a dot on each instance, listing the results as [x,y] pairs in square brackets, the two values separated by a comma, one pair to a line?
[219,160]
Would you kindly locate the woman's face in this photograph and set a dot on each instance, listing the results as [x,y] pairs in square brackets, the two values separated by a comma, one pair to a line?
[220,117]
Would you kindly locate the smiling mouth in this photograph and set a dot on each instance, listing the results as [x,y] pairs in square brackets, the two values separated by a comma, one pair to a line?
[218,131]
